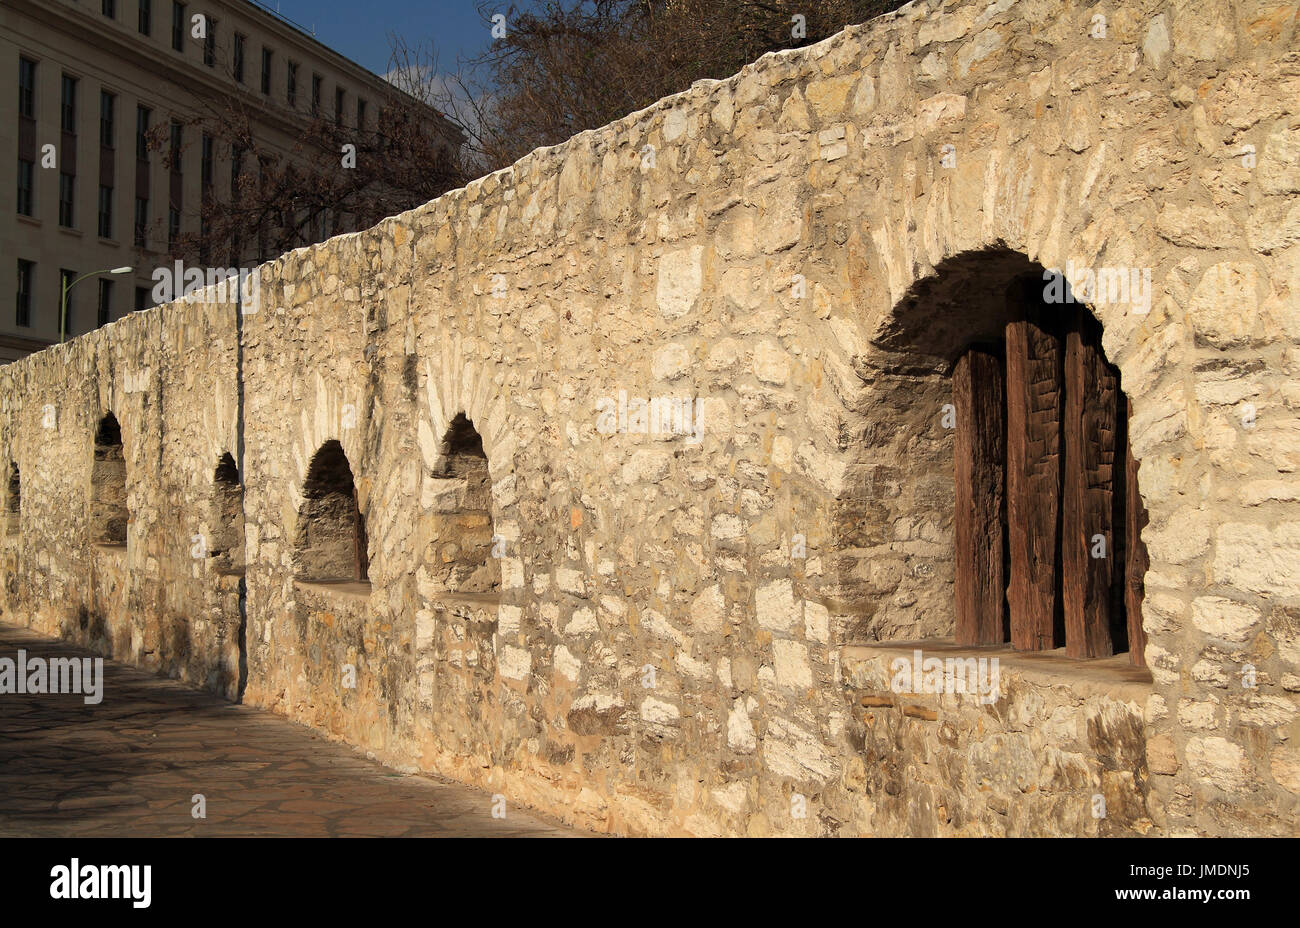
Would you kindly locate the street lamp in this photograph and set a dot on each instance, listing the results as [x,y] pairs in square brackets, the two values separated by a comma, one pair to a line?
[63,303]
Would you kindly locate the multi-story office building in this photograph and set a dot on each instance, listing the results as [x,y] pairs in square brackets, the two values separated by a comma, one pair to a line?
[82,187]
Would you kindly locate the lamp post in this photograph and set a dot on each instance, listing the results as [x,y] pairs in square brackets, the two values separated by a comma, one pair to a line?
[63,303]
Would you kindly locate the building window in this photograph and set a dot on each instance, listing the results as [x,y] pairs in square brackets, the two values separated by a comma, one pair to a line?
[68,109]
[236,168]
[142,221]
[67,192]
[107,107]
[141,299]
[178,26]
[361,113]
[108,510]
[210,42]
[142,115]
[105,309]
[315,94]
[105,211]
[173,227]
[144,21]
[109,8]
[239,58]
[26,186]
[23,306]
[205,164]
[267,57]
[338,106]
[66,277]
[291,89]
[27,88]
[174,149]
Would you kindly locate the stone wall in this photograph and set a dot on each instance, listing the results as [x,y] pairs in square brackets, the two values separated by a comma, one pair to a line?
[169,376]
[689,631]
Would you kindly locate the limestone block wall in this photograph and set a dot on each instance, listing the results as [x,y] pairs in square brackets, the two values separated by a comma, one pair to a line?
[169,377]
[694,621]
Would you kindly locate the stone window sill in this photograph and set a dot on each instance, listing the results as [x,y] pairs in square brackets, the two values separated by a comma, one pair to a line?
[481,610]
[343,589]
[478,599]
[1114,676]
[228,579]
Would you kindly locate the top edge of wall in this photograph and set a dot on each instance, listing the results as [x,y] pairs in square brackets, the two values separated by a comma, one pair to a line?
[704,88]
[506,177]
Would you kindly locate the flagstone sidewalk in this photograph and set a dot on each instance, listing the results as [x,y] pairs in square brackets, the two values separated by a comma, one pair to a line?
[131,765]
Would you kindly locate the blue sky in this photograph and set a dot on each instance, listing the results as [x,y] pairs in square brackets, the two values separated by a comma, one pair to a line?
[359,28]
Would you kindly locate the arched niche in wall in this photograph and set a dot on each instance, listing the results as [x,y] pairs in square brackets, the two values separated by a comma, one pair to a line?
[109,515]
[13,500]
[226,517]
[331,543]
[460,556]
[993,376]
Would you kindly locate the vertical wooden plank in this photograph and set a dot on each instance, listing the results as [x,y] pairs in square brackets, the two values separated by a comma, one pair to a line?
[1034,390]
[1091,394]
[1136,560]
[1119,523]
[979,453]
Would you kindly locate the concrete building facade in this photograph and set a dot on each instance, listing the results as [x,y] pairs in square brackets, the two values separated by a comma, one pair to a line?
[78,189]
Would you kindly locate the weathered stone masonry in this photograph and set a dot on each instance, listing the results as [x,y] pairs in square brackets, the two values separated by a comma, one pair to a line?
[899,176]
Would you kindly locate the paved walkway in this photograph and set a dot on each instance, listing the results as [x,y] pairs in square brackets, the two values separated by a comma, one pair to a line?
[130,765]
